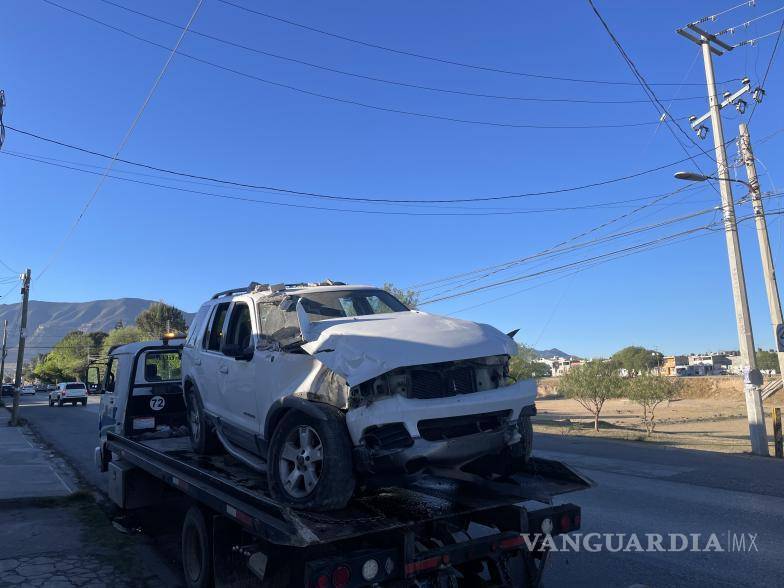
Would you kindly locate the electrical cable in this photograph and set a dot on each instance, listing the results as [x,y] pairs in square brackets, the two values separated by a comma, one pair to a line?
[383,80]
[289,191]
[123,142]
[302,206]
[767,69]
[358,103]
[743,24]
[431,58]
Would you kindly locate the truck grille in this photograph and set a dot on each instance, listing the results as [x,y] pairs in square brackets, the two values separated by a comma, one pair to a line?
[432,384]
[460,426]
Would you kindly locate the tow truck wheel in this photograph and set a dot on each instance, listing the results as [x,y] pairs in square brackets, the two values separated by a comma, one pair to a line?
[196,550]
[203,439]
[310,462]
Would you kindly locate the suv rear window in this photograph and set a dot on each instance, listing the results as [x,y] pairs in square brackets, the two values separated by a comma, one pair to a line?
[75,387]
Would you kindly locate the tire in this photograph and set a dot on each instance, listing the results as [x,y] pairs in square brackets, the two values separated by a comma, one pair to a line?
[196,549]
[203,438]
[51,402]
[60,402]
[303,476]
[84,402]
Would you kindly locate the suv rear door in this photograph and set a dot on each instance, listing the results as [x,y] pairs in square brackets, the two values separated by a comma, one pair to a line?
[210,360]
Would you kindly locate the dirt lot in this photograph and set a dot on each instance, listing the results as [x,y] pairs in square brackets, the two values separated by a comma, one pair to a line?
[710,415]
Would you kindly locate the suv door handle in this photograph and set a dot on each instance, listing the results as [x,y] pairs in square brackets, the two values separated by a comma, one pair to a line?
[223,369]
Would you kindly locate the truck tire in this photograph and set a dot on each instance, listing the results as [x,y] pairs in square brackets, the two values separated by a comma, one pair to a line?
[196,549]
[84,402]
[527,442]
[203,438]
[310,465]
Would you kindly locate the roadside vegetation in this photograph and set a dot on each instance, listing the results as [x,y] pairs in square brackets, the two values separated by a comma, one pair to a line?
[69,358]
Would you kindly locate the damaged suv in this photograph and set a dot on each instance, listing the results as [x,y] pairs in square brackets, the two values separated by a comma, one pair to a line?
[324,385]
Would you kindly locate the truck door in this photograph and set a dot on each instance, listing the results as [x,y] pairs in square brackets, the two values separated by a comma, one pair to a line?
[238,379]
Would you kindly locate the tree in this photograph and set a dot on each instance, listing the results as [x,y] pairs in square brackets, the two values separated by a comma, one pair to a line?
[69,358]
[524,366]
[122,336]
[767,360]
[160,318]
[637,360]
[592,384]
[649,391]
[408,297]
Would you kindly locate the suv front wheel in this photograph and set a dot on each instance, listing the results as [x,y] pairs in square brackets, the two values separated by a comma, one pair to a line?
[310,464]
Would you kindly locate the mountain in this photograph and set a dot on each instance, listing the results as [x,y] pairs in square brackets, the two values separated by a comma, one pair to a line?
[548,353]
[48,322]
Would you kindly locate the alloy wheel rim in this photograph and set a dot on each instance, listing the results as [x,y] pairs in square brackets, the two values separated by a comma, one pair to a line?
[301,461]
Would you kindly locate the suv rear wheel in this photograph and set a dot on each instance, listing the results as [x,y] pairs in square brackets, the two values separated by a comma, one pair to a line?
[203,439]
[310,462]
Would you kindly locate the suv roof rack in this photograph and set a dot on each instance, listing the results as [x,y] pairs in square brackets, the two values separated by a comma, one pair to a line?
[256,286]
[249,288]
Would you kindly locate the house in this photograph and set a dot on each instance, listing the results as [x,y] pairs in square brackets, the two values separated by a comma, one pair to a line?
[671,365]
[559,366]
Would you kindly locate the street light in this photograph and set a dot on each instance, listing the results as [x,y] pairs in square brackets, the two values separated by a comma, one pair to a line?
[695,177]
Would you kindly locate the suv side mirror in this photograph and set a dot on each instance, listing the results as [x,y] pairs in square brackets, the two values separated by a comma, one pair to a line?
[237,352]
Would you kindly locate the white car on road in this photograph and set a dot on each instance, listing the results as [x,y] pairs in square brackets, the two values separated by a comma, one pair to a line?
[27,391]
[322,384]
[73,392]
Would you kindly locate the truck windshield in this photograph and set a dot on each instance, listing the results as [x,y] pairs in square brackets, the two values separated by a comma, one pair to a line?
[345,303]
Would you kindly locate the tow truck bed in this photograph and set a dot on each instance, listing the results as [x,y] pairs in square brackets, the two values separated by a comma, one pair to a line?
[230,488]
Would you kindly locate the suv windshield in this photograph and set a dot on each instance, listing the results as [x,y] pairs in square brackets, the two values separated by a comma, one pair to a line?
[345,303]
[279,320]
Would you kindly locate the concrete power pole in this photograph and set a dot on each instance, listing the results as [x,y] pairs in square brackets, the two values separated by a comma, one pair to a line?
[20,350]
[4,352]
[752,376]
[771,287]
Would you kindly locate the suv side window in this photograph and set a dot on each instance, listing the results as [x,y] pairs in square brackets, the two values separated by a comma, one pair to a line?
[194,331]
[240,329]
[214,333]
[279,322]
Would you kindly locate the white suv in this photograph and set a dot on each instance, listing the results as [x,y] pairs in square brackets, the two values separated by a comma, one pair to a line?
[319,384]
[73,392]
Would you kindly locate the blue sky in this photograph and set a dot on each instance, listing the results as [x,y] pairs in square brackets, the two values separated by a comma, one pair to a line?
[75,81]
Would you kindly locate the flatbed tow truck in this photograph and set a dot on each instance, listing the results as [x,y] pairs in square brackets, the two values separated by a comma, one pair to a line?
[436,531]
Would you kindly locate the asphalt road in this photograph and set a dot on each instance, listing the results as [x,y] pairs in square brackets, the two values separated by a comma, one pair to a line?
[641,489]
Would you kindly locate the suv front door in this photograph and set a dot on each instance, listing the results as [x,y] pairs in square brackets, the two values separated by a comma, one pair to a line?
[238,379]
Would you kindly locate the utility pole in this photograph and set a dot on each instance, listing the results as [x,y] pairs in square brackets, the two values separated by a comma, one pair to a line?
[752,376]
[771,287]
[20,350]
[4,352]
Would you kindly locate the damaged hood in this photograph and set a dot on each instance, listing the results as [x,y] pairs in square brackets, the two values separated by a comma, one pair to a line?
[364,347]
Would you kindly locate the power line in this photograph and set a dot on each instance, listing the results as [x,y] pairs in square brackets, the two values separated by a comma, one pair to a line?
[124,141]
[431,58]
[77,166]
[383,80]
[293,192]
[714,16]
[358,103]
[767,69]
[746,24]
[324,208]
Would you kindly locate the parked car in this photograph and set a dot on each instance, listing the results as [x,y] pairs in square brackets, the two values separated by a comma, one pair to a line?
[27,391]
[73,392]
[322,384]
[41,388]
[7,390]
